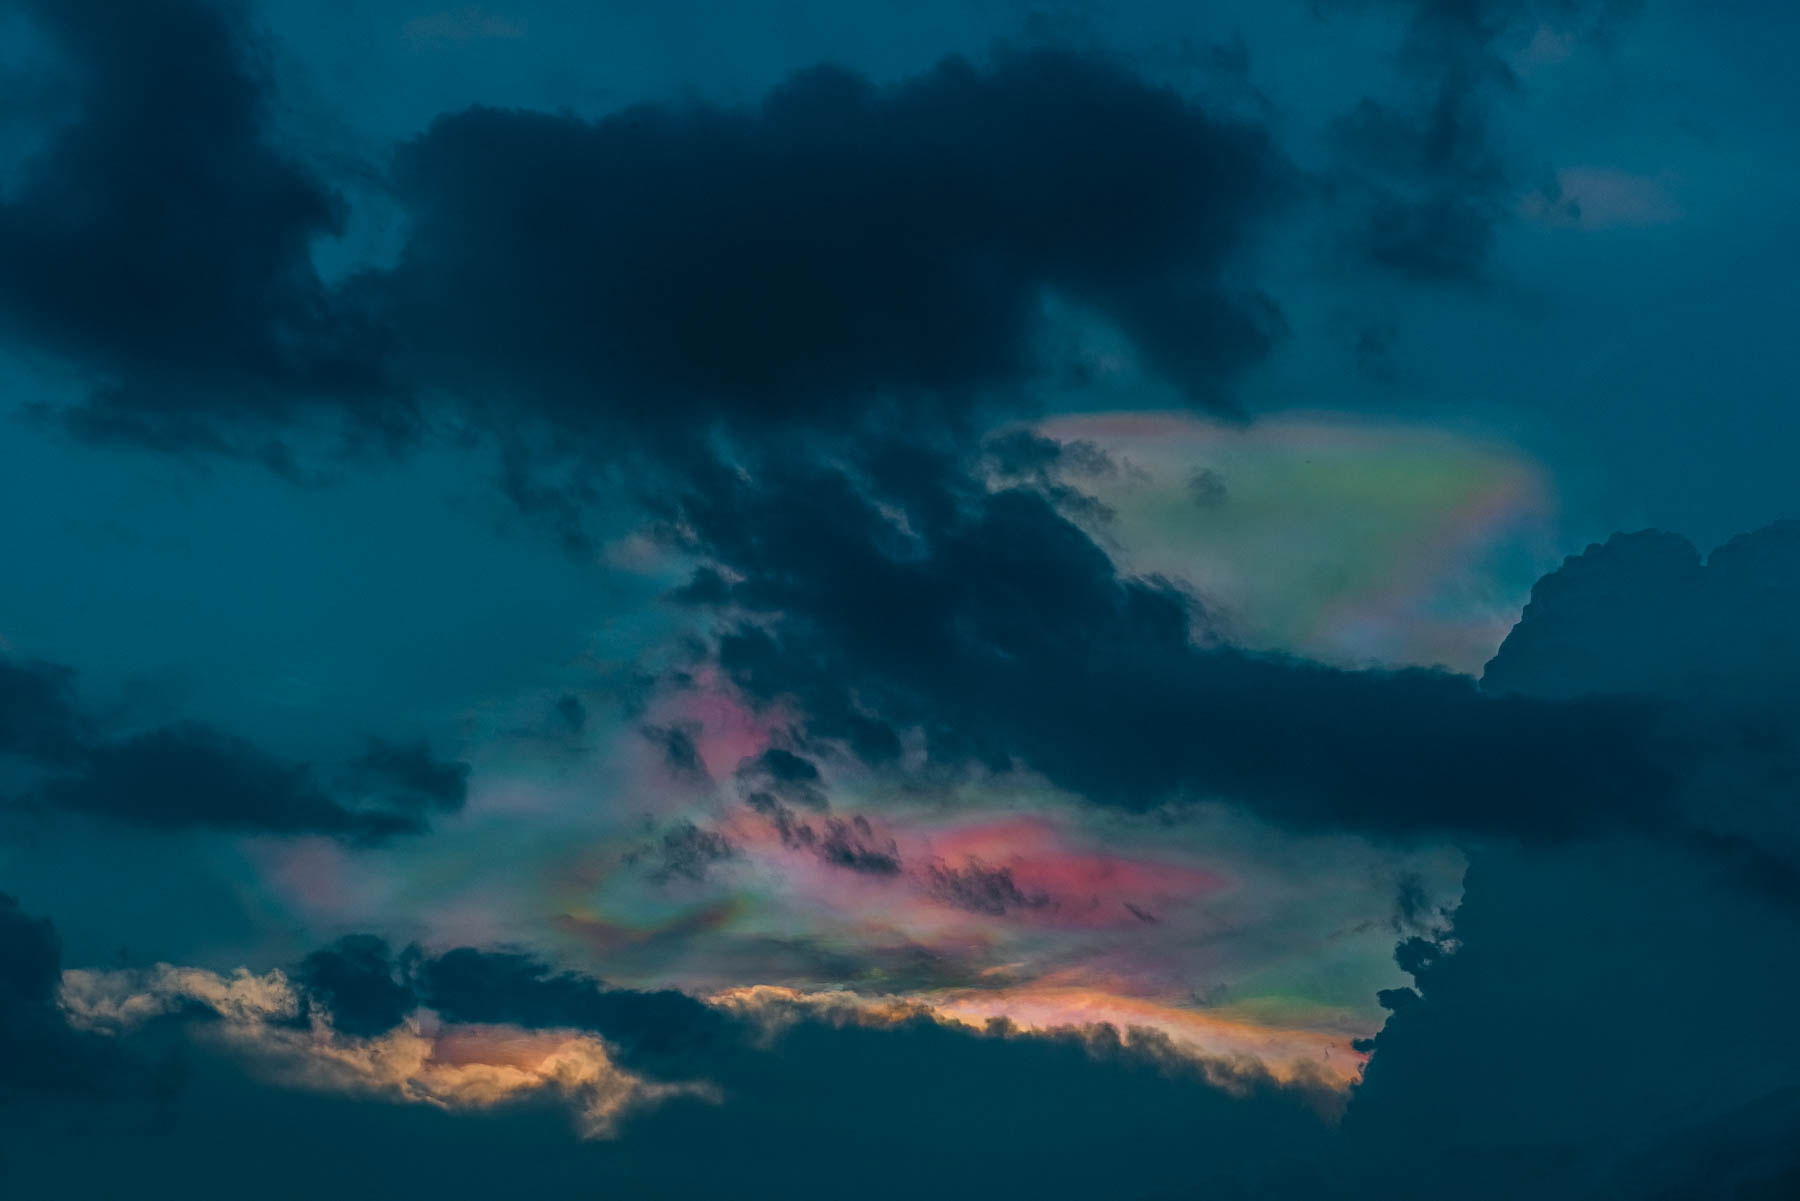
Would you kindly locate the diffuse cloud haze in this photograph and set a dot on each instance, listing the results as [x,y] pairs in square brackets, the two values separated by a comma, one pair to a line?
[836,602]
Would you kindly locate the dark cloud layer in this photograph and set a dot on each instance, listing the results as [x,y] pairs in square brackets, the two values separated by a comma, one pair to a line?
[39,1053]
[161,239]
[1714,641]
[795,307]
[835,1107]
[190,775]
[1563,1039]
[407,773]
[901,594]
[848,1100]
[368,989]
[1643,613]
[841,244]
[630,279]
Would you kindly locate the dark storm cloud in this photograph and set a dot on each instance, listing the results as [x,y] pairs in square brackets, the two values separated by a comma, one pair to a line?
[897,594]
[629,279]
[161,239]
[39,1053]
[468,985]
[1548,1076]
[1534,1056]
[357,982]
[191,775]
[1643,613]
[1714,640]
[840,244]
[368,989]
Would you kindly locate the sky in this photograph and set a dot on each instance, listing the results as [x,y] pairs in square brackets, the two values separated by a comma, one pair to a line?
[859,600]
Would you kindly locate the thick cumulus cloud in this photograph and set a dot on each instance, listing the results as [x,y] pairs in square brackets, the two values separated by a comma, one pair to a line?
[39,1054]
[839,244]
[1560,1043]
[1644,613]
[1558,1037]
[1714,641]
[189,775]
[899,594]
[370,990]
[161,239]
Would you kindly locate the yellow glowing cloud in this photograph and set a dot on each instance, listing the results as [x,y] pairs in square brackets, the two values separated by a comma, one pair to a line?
[1226,1050]
[451,1066]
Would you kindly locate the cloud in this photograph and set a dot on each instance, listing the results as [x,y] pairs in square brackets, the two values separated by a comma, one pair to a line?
[893,596]
[469,1109]
[777,774]
[191,775]
[680,754]
[359,984]
[39,1054]
[1559,1032]
[1714,641]
[1426,173]
[690,852]
[161,241]
[1644,613]
[484,1029]
[879,244]
[263,1020]
[1425,176]
[39,717]
[1538,1041]
[408,775]
[983,889]
[853,846]
[499,1032]
[882,246]
[368,990]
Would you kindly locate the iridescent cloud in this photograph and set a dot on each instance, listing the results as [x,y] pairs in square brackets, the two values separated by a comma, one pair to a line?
[654,855]
[1349,540]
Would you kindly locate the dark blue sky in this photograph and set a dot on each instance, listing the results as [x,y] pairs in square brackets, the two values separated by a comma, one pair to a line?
[848,599]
